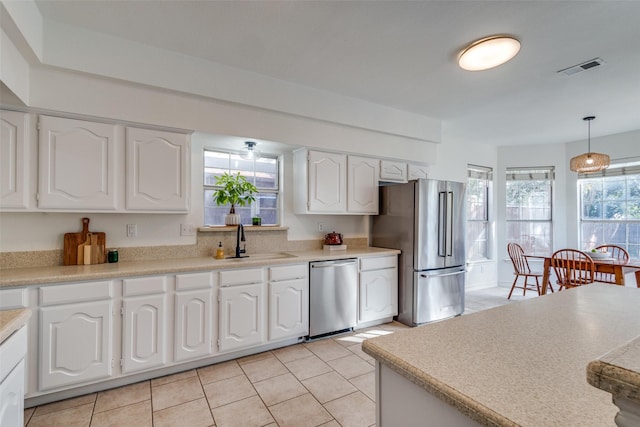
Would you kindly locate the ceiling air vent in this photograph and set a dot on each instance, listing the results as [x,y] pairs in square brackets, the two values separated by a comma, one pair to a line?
[592,63]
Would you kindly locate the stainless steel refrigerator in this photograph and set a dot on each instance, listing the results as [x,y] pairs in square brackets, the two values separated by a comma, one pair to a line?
[425,219]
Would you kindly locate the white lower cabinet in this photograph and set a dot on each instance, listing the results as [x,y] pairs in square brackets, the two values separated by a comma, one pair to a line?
[378,290]
[12,378]
[144,324]
[288,301]
[193,314]
[241,309]
[75,343]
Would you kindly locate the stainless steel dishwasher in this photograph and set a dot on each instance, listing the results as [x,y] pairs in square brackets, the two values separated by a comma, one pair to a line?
[333,296]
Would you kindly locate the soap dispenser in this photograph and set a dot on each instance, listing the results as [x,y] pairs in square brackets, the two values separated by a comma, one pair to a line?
[220,251]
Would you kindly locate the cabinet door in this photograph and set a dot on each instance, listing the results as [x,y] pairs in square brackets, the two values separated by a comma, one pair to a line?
[157,170]
[15,134]
[393,171]
[193,311]
[417,171]
[327,182]
[77,167]
[288,309]
[75,343]
[144,332]
[362,185]
[241,320]
[378,294]
[12,397]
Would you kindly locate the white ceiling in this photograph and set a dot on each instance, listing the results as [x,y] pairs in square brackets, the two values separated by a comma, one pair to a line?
[402,54]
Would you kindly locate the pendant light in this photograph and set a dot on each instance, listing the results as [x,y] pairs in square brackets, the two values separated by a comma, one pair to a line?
[589,162]
[250,152]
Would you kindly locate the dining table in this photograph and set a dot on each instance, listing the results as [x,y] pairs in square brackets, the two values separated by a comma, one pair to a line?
[609,265]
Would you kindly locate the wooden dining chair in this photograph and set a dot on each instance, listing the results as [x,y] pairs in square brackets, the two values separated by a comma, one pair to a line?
[521,269]
[619,254]
[572,268]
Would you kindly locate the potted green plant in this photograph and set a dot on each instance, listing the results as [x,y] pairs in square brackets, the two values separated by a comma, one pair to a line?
[236,191]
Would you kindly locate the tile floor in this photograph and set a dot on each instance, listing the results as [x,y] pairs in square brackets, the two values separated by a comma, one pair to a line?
[328,382]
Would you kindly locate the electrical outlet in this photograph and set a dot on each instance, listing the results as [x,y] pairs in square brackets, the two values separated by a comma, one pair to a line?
[187,230]
[132,230]
[321,227]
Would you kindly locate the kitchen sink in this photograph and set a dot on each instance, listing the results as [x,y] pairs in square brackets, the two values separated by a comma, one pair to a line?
[265,256]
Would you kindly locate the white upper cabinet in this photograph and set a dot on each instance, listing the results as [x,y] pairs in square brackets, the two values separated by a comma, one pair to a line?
[417,171]
[393,171]
[323,180]
[77,164]
[362,185]
[334,183]
[16,131]
[157,170]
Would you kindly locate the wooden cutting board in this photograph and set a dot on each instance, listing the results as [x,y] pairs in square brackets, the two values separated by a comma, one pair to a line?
[72,241]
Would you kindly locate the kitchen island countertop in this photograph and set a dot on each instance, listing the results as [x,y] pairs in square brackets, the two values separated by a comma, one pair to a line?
[71,273]
[12,320]
[521,364]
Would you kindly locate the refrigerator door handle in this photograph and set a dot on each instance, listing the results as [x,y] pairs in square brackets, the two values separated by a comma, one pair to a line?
[442,224]
[426,276]
[450,213]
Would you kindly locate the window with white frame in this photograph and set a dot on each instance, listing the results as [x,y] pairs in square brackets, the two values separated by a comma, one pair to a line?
[479,183]
[610,207]
[529,209]
[262,171]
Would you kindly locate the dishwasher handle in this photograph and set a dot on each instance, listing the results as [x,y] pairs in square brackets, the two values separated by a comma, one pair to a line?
[332,264]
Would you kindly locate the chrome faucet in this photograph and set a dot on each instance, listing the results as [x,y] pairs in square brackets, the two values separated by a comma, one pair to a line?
[240,238]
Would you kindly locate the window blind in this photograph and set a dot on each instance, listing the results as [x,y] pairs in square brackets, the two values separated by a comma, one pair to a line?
[617,168]
[480,172]
[531,174]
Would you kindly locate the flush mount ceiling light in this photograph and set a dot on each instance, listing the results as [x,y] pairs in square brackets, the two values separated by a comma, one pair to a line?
[589,162]
[488,53]
[250,152]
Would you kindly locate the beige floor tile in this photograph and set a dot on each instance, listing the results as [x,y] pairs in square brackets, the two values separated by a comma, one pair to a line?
[353,410]
[227,391]
[122,396]
[350,366]
[278,389]
[138,414]
[307,367]
[357,350]
[249,412]
[219,371]
[192,414]
[327,349]
[77,416]
[328,386]
[293,352]
[176,393]
[263,369]
[174,377]
[27,414]
[366,383]
[300,412]
[65,404]
[346,339]
[332,423]
[255,357]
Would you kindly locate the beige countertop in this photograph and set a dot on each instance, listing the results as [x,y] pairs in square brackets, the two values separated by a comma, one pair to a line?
[11,321]
[523,363]
[618,372]
[71,273]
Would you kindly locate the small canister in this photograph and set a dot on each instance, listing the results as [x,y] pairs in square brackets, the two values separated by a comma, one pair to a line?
[112,255]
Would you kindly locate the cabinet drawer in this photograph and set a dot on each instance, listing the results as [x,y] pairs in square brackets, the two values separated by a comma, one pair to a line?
[75,292]
[194,281]
[377,263]
[241,277]
[288,272]
[13,298]
[144,286]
